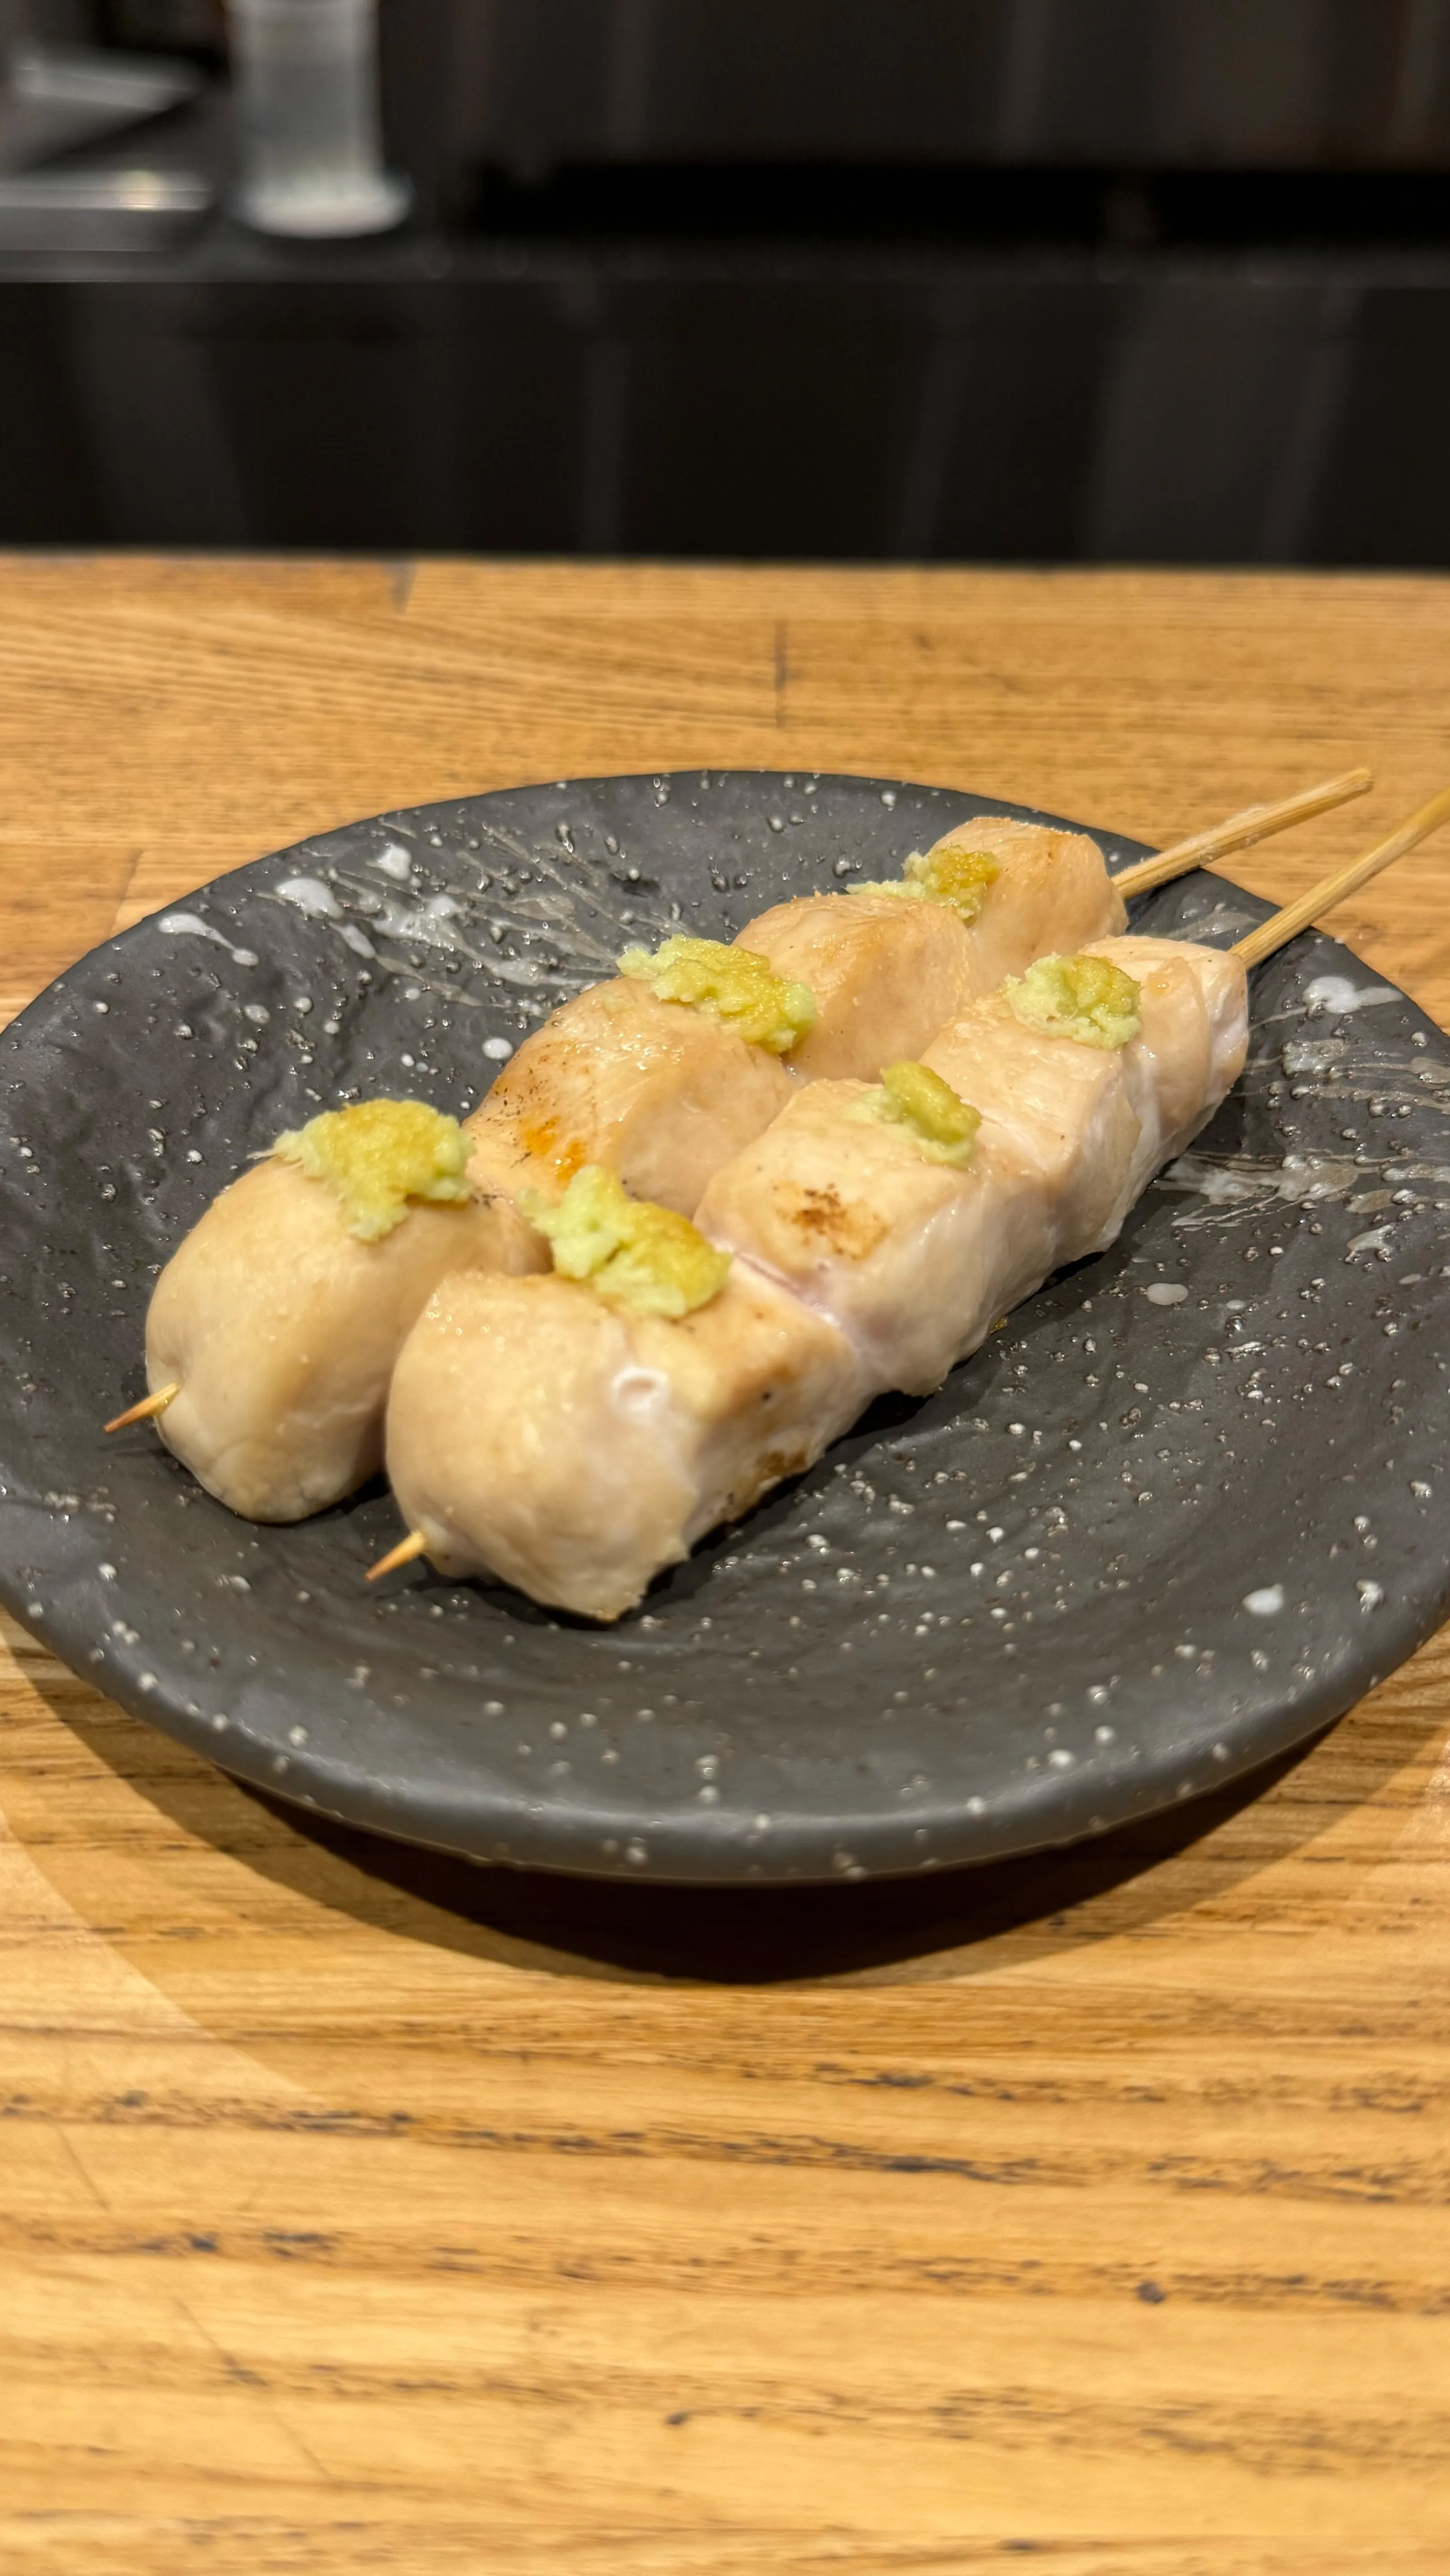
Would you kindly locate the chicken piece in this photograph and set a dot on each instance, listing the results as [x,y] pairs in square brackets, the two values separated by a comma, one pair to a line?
[912,1255]
[1053,892]
[885,973]
[573,1446]
[1066,1107]
[885,984]
[279,1325]
[1194,1007]
[1103,1116]
[656,1092]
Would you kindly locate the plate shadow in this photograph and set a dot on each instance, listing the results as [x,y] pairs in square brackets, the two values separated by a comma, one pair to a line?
[1055,1900]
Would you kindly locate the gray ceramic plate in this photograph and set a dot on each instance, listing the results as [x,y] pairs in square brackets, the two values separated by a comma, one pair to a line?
[1179,1514]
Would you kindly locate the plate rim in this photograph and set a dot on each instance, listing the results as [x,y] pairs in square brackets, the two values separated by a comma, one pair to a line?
[328,1787]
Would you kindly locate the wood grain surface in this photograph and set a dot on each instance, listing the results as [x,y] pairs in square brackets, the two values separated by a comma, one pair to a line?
[360,2210]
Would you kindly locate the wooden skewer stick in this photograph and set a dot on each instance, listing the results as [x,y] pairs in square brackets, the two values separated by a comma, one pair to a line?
[1285,925]
[149,1405]
[407,1548]
[1255,823]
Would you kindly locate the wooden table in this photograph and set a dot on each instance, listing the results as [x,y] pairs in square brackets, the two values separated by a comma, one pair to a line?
[360,2211]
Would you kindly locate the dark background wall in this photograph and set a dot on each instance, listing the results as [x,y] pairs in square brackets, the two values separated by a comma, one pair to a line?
[1303,84]
[1006,279]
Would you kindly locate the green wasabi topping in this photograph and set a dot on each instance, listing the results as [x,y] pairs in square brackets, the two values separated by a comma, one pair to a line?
[730,984]
[943,1128]
[377,1156]
[1087,998]
[951,875]
[631,1253]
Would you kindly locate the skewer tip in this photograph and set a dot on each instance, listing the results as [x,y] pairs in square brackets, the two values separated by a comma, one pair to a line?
[149,1406]
[1241,831]
[1284,925]
[407,1548]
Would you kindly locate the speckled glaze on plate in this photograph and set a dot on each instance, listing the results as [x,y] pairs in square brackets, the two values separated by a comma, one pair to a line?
[1180,1513]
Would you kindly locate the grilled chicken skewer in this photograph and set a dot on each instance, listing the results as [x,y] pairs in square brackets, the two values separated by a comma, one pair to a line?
[621,1077]
[665,1072]
[578,1433]
[1072,1104]
[272,1332]
[559,1433]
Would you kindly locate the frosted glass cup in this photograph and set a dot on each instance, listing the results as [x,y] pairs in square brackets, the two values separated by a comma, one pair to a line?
[307,85]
